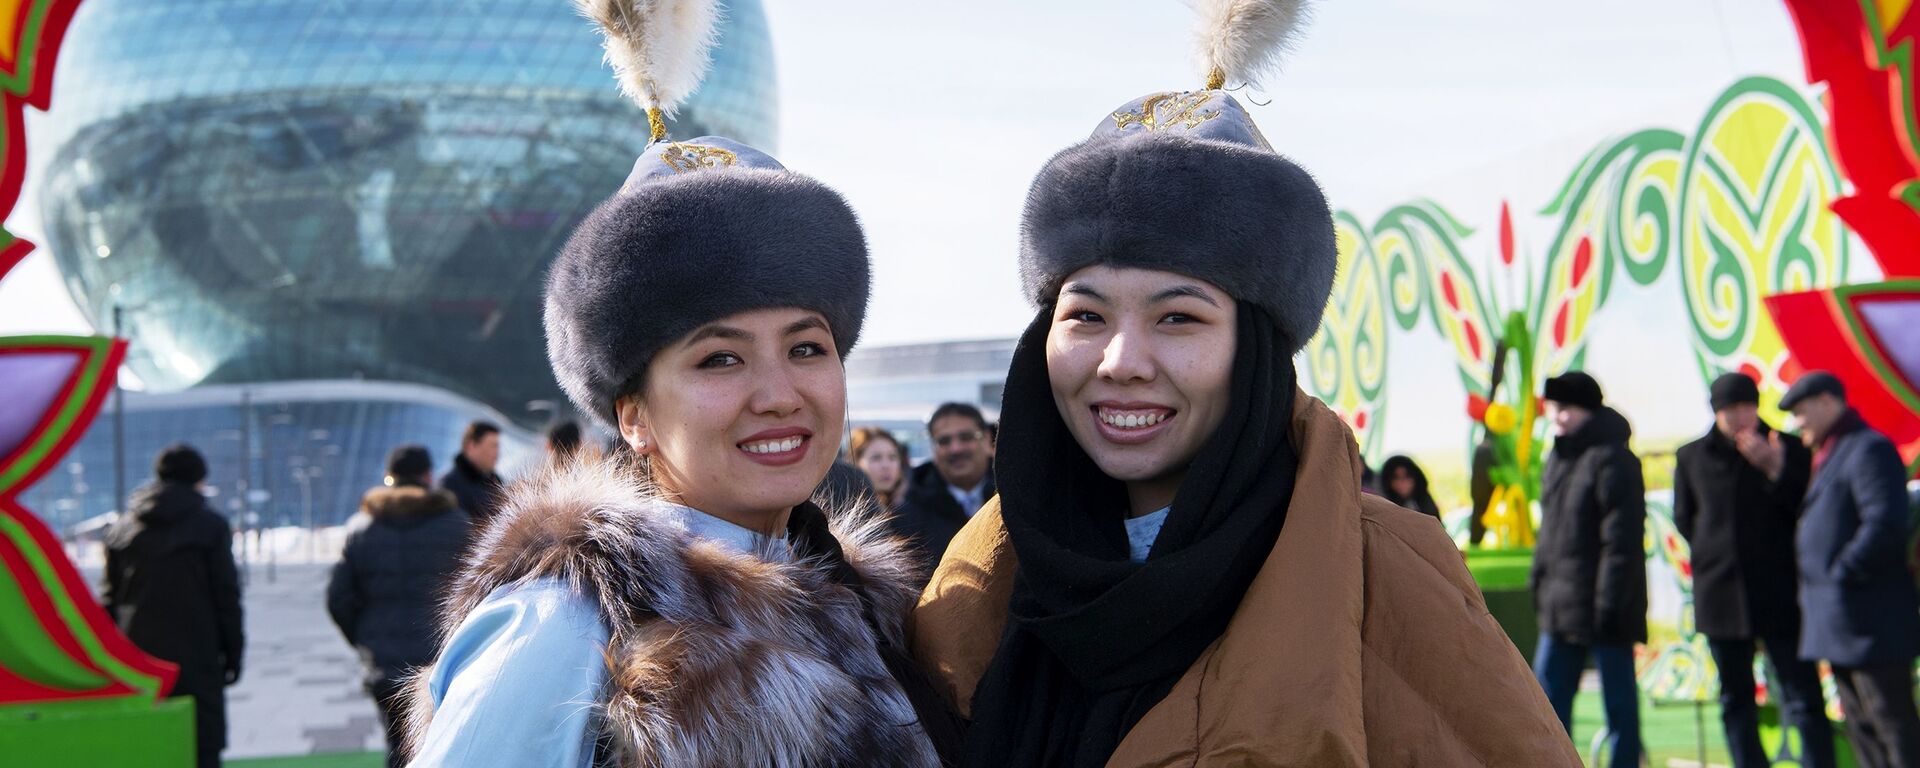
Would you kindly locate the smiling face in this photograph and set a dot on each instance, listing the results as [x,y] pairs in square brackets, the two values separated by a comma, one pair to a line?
[1141,364]
[741,418]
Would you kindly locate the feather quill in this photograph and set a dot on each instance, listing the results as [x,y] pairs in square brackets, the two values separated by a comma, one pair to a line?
[1239,41]
[659,49]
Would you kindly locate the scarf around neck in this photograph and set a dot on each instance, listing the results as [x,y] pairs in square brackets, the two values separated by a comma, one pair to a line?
[1095,640]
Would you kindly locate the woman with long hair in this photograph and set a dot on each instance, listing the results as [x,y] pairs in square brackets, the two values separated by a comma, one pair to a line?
[879,454]
[1180,568]
[1402,483]
[685,602]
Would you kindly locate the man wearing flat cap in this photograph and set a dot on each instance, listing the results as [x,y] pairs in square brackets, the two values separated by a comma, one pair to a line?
[1589,576]
[1736,498]
[1861,611]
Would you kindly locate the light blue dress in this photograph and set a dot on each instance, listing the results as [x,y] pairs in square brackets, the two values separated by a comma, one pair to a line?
[521,679]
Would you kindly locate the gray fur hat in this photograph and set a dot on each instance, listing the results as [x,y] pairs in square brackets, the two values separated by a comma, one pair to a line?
[1184,182]
[701,230]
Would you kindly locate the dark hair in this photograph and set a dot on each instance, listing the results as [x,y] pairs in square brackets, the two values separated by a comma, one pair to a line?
[1420,499]
[180,463]
[563,437]
[957,409]
[864,438]
[478,431]
[406,463]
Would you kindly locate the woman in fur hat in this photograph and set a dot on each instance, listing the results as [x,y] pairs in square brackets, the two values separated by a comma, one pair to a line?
[1181,568]
[687,604]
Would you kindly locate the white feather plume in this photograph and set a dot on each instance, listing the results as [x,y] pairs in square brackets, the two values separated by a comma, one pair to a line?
[659,49]
[1245,39]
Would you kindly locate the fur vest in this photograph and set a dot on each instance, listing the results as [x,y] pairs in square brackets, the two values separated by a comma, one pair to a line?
[714,658]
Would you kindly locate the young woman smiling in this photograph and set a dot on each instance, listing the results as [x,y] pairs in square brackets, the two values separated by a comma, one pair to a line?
[686,603]
[1180,568]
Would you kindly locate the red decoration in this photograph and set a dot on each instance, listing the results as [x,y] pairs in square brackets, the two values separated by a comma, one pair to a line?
[1870,126]
[1560,326]
[1506,234]
[1582,262]
[1477,407]
[1447,292]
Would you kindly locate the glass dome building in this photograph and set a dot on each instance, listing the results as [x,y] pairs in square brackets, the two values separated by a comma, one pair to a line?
[275,190]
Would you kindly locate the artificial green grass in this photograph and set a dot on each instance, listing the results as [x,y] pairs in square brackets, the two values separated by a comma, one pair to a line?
[333,760]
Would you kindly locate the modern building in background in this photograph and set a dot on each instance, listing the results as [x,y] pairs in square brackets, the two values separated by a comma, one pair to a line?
[325,226]
[316,447]
[898,387]
[277,190]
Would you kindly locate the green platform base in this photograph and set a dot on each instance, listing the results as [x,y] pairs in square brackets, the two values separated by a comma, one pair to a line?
[1502,575]
[108,733]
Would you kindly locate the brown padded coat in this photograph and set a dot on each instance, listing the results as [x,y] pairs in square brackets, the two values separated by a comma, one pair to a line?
[1362,641]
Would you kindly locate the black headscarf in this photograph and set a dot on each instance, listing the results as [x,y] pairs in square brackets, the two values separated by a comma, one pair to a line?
[1095,640]
[1421,500]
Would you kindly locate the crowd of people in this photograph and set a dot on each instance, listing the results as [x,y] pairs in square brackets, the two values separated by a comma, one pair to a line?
[1161,554]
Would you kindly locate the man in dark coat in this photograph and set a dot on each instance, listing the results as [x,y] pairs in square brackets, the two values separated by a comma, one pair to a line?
[472,479]
[402,549]
[943,494]
[1861,612]
[171,586]
[1736,498]
[1589,574]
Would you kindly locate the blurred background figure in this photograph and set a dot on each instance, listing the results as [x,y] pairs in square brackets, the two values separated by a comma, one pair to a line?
[879,454]
[1589,575]
[1480,487]
[1402,483]
[563,441]
[1736,499]
[172,587]
[401,548]
[942,494]
[1860,611]
[472,479]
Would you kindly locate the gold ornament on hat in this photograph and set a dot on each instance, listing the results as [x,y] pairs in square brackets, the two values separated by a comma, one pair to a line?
[1166,110]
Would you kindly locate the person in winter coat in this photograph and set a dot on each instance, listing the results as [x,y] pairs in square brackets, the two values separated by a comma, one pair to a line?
[472,479]
[1181,567]
[688,603]
[1860,611]
[1736,498]
[172,587]
[402,550]
[1402,482]
[944,492]
[1589,576]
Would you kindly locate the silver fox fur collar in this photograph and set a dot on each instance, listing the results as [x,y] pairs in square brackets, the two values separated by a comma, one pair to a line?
[714,658]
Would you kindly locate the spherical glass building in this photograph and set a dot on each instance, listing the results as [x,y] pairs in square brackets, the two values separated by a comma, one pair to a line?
[279,190]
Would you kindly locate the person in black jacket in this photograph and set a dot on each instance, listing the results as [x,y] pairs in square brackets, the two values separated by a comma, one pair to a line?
[472,479]
[171,586]
[1862,615]
[1402,483]
[943,494]
[1589,576]
[402,548]
[1736,499]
